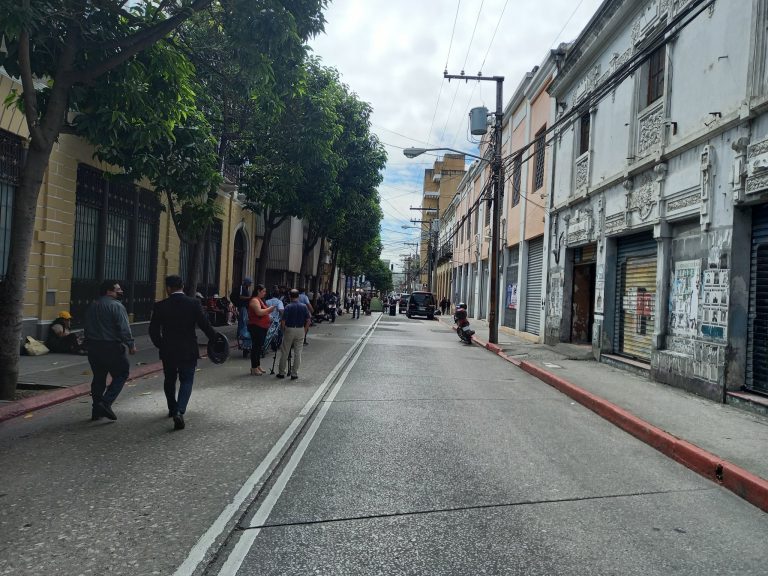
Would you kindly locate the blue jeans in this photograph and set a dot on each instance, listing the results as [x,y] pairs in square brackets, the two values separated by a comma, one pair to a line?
[356,311]
[185,372]
[107,358]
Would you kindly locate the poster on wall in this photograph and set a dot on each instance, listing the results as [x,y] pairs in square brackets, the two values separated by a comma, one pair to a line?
[714,320]
[512,296]
[684,298]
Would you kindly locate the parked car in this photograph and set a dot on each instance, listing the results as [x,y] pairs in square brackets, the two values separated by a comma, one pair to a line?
[421,304]
[403,305]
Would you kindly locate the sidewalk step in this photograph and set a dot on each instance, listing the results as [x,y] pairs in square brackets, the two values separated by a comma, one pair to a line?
[749,402]
[638,368]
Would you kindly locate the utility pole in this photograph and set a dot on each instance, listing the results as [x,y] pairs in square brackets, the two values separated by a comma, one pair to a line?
[493,324]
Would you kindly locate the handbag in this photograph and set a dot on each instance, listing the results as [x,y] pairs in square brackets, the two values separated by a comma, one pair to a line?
[34,347]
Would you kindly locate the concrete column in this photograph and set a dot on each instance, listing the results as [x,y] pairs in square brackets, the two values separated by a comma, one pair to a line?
[663,234]
[738,309]
[609,269]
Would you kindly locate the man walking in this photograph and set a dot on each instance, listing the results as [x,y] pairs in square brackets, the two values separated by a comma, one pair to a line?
[172,330]
[107,334]
[295,324]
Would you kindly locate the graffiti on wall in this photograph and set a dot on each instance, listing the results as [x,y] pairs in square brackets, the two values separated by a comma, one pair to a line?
[555,296]
[684,298]
[714,321]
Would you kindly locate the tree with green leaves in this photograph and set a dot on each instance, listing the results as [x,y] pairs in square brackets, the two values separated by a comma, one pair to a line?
[291,161]
[73,45]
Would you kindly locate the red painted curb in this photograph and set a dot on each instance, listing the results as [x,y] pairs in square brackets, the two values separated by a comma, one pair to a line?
[27,405]
[741,482]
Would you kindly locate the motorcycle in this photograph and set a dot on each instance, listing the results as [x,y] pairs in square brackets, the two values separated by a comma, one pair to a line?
[330,312]
[463,330]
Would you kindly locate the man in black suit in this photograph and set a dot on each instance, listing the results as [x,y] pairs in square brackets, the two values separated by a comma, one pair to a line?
[172,330]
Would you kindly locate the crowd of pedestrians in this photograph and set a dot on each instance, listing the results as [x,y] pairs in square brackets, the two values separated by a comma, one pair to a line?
[285,318]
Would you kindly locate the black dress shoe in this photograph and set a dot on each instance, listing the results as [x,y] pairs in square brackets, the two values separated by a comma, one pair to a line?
[280,375]
[178,422]
[96,414]
[170,413]
[107,411]
[294,377]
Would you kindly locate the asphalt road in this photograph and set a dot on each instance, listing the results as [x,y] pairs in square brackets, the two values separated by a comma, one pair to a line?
[398,451]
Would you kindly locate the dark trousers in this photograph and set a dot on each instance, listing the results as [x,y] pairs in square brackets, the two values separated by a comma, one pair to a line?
[258,335]
[107,358]
[356,311]
[184,370]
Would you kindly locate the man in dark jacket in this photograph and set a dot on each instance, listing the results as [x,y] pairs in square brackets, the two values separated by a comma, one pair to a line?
[172,330]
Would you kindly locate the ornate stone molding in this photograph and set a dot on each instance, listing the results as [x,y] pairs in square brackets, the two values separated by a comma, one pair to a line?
[615,223]
[642,199]
[580,227]
[650,125]
[684,202]
[587,84]
[581,180]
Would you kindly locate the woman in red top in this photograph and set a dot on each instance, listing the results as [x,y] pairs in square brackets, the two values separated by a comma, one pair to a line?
[258,323]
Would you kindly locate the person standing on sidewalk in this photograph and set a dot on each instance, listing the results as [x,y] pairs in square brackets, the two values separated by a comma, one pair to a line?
[357,301]
[304,299]
[172,330]
[258,324]
[107,335]
[295,324]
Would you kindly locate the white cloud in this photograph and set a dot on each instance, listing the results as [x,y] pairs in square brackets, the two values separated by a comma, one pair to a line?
[392,53]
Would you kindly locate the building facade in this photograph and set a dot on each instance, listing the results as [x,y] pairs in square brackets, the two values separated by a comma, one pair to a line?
[659,222]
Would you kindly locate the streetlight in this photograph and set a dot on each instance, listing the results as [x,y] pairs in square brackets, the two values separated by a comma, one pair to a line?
[495,164]
[413,152]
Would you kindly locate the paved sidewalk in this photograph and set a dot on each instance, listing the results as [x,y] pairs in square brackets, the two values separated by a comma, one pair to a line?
[709,437]
[56,378]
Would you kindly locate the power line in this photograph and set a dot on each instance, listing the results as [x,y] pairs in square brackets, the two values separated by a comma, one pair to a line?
[566,23]
[472,39]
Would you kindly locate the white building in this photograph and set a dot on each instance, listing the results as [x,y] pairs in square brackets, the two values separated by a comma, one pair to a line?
[659,224]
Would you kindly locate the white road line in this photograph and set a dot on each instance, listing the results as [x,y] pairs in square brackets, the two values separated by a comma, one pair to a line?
[208,539]
[243,546]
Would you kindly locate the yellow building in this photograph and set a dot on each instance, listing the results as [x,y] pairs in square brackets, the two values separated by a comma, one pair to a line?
[440,185]
[89,227]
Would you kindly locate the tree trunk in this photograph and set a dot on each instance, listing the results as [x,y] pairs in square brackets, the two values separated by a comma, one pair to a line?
[194,265]
[304,268]
[331,287]
[13,287]
[261,274]
[319,275]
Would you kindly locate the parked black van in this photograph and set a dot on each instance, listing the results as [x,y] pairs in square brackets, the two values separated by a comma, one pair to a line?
[421,304]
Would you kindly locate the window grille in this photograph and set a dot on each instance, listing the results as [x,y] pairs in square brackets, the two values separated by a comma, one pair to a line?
[516,179]
[584,127]
[539,148]
[655,88]
[10,169]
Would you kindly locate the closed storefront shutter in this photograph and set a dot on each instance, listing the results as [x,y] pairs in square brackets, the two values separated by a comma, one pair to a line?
[533,285]
[757,336]
[481,305]
[636,305]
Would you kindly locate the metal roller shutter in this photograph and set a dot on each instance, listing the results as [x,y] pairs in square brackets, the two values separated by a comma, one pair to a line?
[636,305]
[757,335]
[533,285]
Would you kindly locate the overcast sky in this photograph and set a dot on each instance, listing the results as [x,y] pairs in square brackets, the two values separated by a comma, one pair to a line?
[392,54]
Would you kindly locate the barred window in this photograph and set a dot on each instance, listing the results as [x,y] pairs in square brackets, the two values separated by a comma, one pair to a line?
[539,148]
[10,168]
[516,179]
[655,88]
[584,127]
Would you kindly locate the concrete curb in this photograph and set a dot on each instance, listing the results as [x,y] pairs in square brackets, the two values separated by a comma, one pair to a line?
[741,482]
